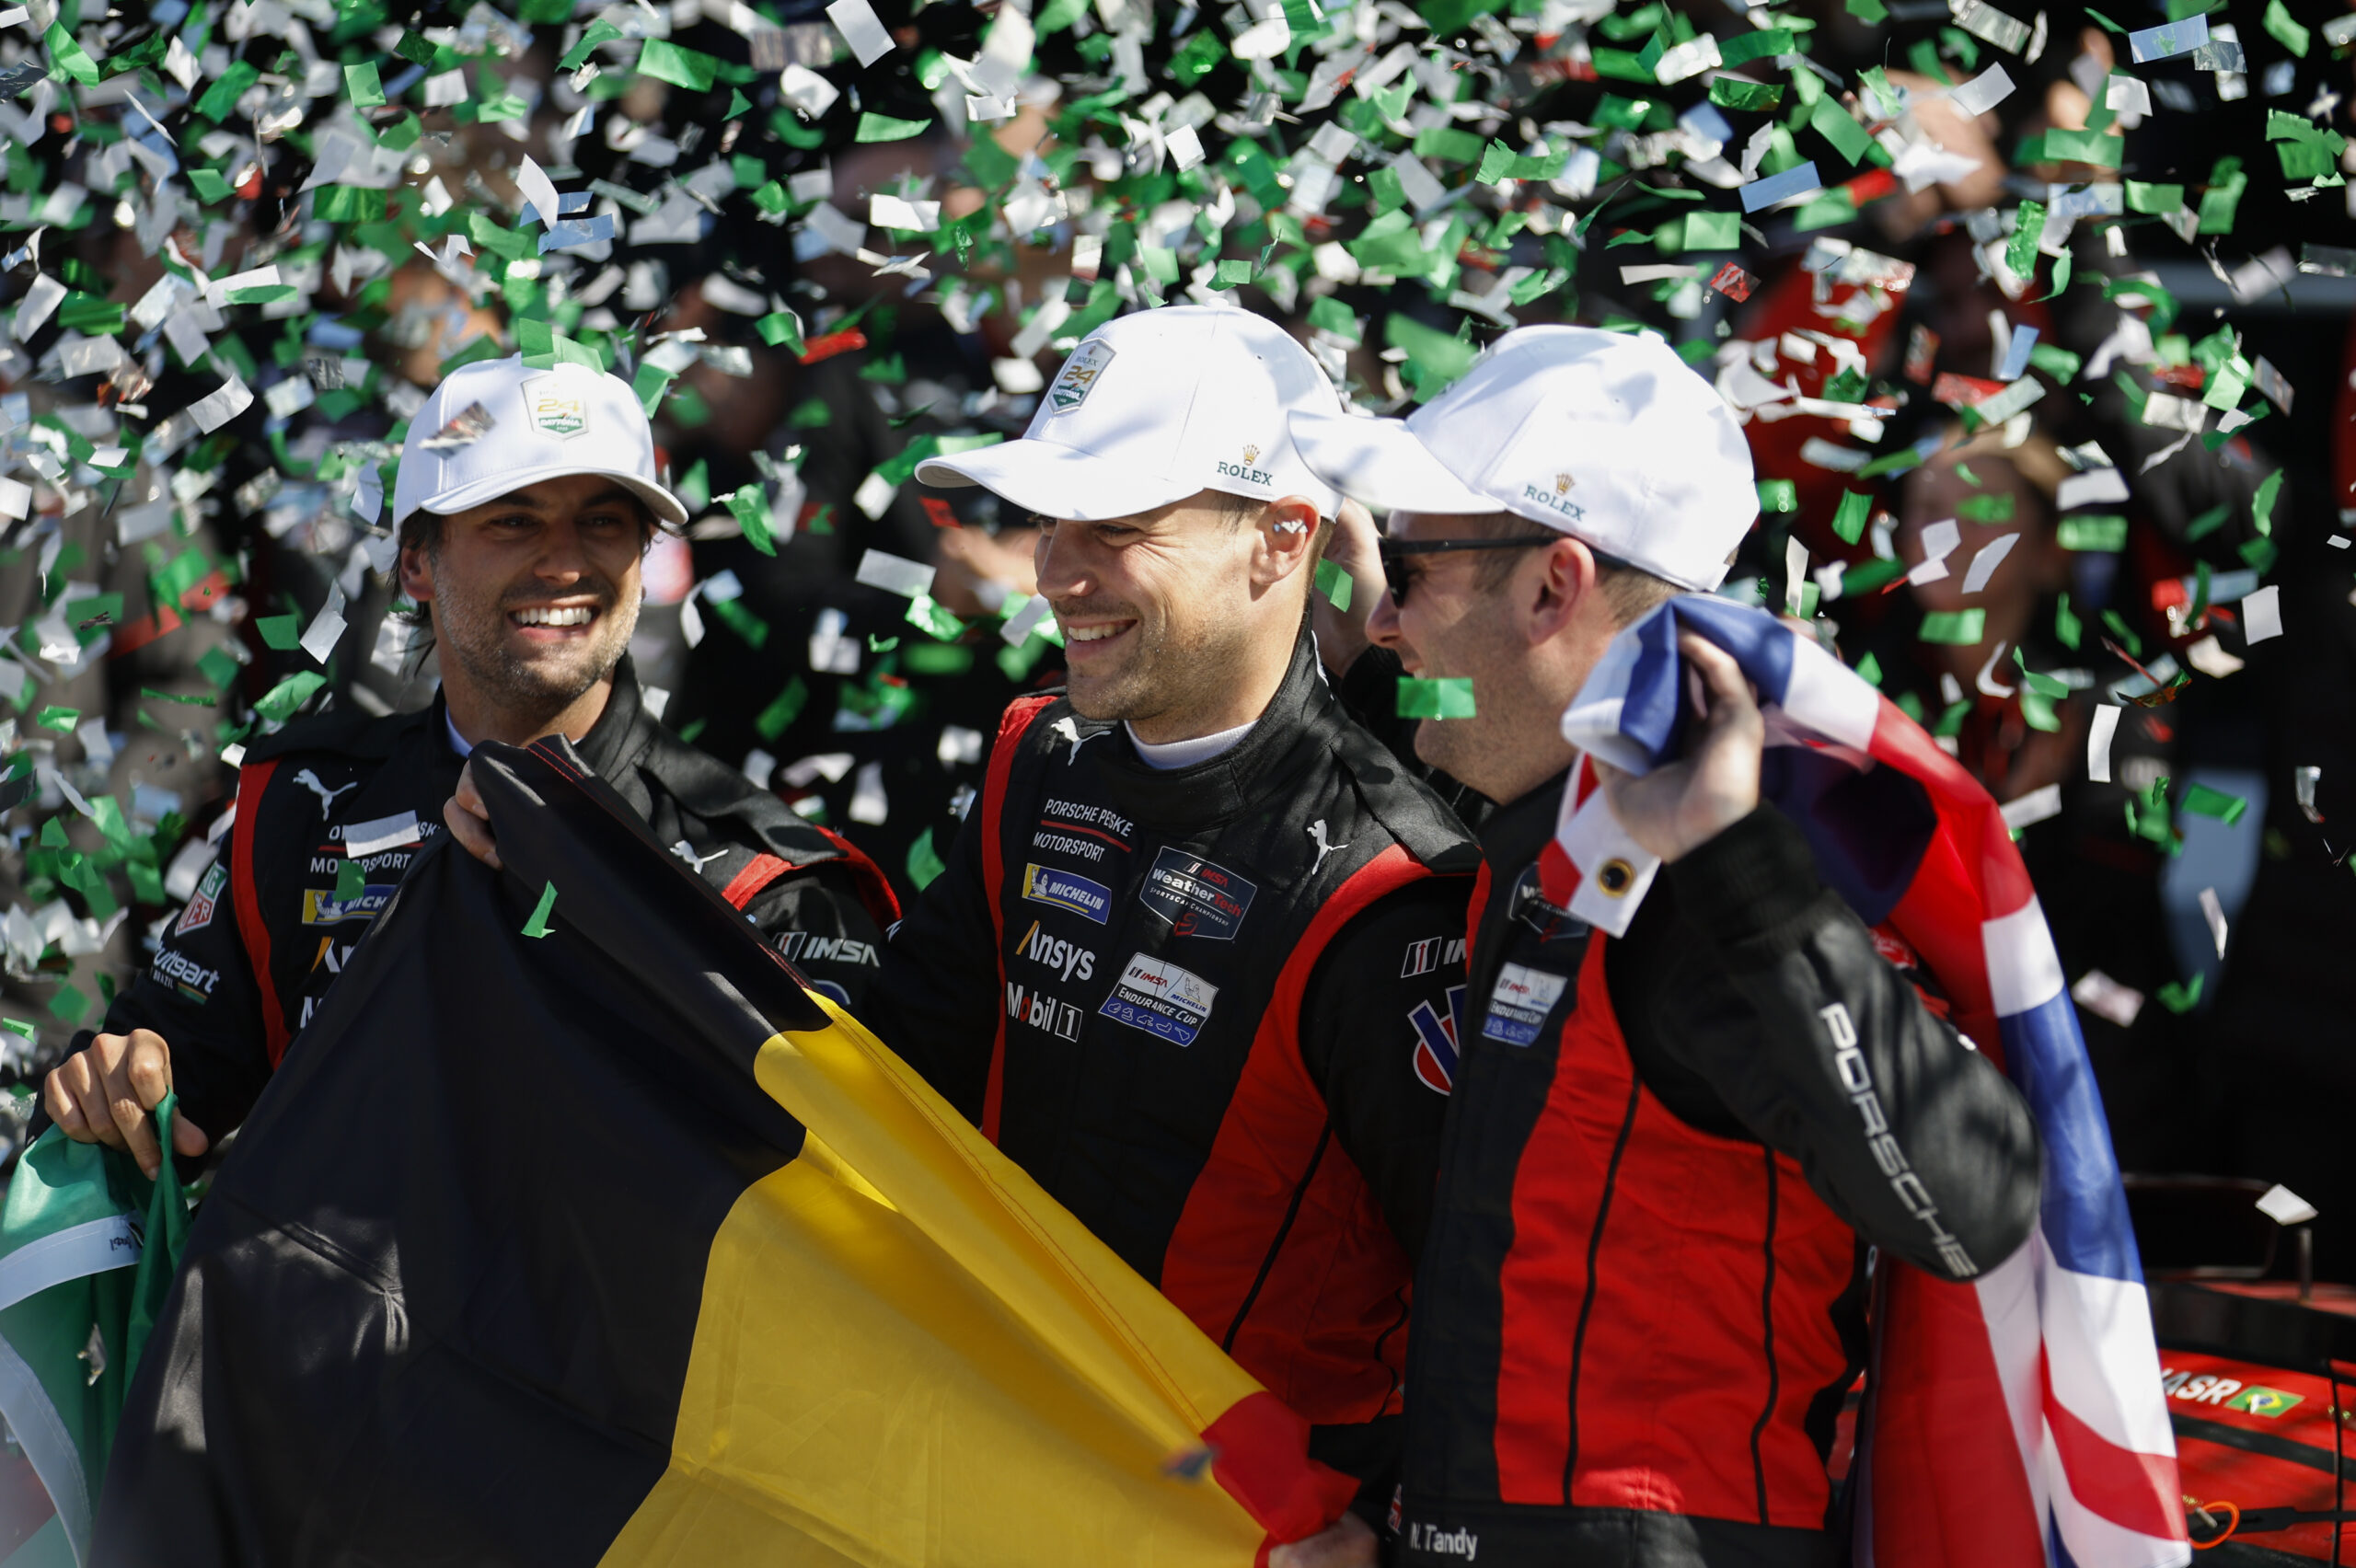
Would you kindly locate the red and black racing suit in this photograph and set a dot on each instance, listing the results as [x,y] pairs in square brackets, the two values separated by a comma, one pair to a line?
[1641,1298]
[1210,1010]
[276,915]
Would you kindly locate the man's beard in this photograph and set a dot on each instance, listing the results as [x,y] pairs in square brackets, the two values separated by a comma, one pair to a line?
[476,637]
[1163,674]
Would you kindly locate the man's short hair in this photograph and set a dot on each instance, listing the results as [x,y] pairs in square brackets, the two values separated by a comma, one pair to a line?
[1631,591]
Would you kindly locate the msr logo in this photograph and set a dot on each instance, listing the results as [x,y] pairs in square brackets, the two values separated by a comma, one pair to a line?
[1435,1041]
[1424,956]
[1069,960]
[1042,1011]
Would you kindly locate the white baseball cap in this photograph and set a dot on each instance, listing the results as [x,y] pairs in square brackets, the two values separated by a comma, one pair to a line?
[532,425]
[1153,408]
[1607,436]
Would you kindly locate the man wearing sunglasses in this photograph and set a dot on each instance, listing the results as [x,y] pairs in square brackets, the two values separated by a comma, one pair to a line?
[1639,1304]
[1193,960]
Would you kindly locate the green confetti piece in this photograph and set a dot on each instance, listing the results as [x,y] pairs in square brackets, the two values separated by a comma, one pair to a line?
[2283,29]
[874,127]
[1950,720]
[1838,126]
[1713,231]
[2157,199]
[779,329]
[1757,98]
[1449,698]
[1438,358]
[1990,509]
[70,56]
[538,926]
[1330,314]
[742,621]
[2202,801]
[781,711]
[1848,521]
[925,612]
[2103,532]
[2261,506]
[1743,47]
[2054,360]
[924,861]
[2020,255]
[280,632]
[69,1006]
[600,31]
[2043,684]
[1955,629]
[362,86]
[222,97]
[2082,146]
[280,702]
[649,383]
[57,719]
[2067,628]
[348,204]
[1335,584]
[666,62]
[210,186]
[2181,998]
[750,507]
[1869,670]
[1778,495]
[1867,576]
[350,882]
[2226,183]
[2107,24]
[1233,272]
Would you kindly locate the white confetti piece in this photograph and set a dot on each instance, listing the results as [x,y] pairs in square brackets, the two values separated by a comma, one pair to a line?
[2106,997]
[2169,40]
[539,191]
[1983,565]
[2087,489]
[2212,910]
[856,20]
[2038,805]
[2262,613]
[899,213]
[220,406]
[1186,148]
[1983,92]
[1939,541]
[2284,1206]
[810,93]
[41,300]
[363,839]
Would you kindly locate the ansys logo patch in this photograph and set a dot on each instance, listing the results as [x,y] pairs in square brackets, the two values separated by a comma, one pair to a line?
[1078,378]
[554,409]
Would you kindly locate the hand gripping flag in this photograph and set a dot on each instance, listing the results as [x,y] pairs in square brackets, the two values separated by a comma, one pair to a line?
[2016,1418]
[616,1246]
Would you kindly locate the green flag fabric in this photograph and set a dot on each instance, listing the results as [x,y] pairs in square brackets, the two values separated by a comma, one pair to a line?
[87,1248]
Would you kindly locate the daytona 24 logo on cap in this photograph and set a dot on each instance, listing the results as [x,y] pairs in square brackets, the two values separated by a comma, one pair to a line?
[1078,377]
[554,409]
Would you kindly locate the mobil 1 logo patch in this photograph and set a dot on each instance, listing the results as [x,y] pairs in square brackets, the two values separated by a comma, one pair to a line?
[1199,897]
[1160,999]
[1518,1006]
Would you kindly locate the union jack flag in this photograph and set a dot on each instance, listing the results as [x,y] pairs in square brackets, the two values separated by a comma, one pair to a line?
[2016,1417]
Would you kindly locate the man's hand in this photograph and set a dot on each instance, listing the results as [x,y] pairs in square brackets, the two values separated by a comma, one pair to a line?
[1347,1543]
[1341,635]
[103,1094]
[1682,805]
[469,820]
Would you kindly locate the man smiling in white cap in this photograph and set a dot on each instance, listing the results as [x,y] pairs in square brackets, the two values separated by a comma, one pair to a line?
[1189,962]
[1641,1300]
[525,502]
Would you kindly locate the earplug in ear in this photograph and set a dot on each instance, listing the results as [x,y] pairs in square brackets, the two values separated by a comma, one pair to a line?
[1292,525]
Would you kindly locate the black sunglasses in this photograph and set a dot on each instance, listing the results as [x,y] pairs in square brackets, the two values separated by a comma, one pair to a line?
[1394,554]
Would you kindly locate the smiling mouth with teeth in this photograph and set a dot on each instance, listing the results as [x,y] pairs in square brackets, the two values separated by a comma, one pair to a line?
[571,615]
[1095,633]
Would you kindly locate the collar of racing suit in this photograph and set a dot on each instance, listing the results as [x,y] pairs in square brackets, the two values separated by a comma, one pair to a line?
[1517,830]
[618,738]
[1294,728]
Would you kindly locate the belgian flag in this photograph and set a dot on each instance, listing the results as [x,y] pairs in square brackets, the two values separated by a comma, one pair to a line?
[617,1246]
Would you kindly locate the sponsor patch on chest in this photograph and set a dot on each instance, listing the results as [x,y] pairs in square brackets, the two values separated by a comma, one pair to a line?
[322,907]
[1062,890]
[1162,998]
[1520,1003]
[1199,897]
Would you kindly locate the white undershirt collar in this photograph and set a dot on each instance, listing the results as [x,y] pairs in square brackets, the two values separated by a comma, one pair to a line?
[1175,754]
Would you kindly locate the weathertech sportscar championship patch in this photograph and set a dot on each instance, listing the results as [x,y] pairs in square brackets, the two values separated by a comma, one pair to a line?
[1518,1006]
[1162,998]
[1198,897]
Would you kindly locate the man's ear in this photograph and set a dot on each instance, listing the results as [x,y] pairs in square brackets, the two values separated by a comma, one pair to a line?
[416,574]
[1557,590]
[1286,529]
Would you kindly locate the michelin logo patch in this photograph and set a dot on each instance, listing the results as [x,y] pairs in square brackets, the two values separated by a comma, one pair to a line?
[1518,1006]
[1199,898]
[322,907]
[1044,884]
[1162,998]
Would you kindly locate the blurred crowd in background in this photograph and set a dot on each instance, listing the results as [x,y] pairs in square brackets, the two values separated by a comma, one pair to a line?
[2031,430]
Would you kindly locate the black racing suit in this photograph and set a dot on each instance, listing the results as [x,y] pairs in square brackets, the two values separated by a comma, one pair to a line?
[1212,1010]
[1642,1301]
[276,915]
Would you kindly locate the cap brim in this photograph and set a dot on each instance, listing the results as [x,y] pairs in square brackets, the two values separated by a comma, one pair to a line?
[662,503]
[1055,481]
[1382,463]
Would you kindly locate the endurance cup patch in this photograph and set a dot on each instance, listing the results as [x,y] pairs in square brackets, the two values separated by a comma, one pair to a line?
[1518,1006]
[1162,998]
[1044,884]
[1198,897]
